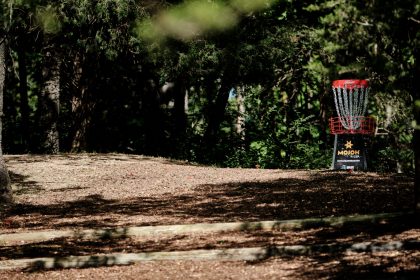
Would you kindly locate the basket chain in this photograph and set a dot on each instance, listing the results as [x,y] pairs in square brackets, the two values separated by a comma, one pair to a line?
[351,104]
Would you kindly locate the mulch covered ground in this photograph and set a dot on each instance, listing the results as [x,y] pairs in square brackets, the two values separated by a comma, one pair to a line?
[108,191]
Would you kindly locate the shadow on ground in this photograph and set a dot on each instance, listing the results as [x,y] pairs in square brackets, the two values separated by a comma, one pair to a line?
[332,262]
[22,184]
[325,194]
[339,237]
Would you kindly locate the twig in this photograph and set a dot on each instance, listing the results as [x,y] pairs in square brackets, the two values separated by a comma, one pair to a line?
[415,20]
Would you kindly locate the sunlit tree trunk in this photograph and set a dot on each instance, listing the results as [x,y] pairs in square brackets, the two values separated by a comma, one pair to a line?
[50,103]
[240,120]
[5,189]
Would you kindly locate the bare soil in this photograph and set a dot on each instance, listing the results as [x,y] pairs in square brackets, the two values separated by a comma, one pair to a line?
[114,190]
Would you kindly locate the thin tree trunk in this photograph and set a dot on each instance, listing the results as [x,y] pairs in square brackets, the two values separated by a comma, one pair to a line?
[5,188]
[417,161]
[416,88]
[240,121]
[179,117]
[23,90]
[292,104]
[51,103]
[323,117]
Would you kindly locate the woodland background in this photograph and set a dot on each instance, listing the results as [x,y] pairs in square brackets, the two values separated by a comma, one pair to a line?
[232,83]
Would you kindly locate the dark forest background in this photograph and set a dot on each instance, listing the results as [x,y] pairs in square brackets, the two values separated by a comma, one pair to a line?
[230,83]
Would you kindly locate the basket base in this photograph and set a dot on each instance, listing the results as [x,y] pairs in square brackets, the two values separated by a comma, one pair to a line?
[350,152]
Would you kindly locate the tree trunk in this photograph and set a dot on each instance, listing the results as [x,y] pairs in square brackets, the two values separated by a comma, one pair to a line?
[82,114]
[23,90]
[417,159]
[179,117]
[217,108]
[240,121]
[217,113]
[416,138]
[5,188]
[154,131]
[50,102]
[81,106]
[323,117]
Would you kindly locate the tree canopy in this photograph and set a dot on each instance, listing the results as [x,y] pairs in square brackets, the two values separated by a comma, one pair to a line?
[231,83]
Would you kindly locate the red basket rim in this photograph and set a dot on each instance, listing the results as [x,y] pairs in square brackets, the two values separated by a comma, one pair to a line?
[350,84]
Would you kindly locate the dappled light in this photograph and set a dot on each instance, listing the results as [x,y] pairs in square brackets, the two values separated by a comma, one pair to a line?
[209,139]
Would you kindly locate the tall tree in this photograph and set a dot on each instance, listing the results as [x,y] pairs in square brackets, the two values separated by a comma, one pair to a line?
[5,188]
[23,91]
[50,101]
[81,105]
[416,142]
[417,157]
[49,19]
[413,45]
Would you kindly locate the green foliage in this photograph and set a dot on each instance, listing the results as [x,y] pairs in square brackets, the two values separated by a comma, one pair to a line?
[188,20]
[416,122]
[373,40]
[48,19]
[117,54]
[191,19]
[248,6]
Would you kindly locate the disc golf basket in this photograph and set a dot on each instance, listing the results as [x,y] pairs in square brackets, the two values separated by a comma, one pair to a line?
[350,124]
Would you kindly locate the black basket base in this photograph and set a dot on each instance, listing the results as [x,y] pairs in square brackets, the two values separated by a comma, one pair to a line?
[350,152]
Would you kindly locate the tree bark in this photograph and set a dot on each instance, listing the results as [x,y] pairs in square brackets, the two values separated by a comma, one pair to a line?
[323,117]
[5,188]
[240,121]
[23,90]
[82,114]
[179,117]
[217,107]
[50,103]
[154,132]
[416,138]
[417,163]
[217,113]
[81,106]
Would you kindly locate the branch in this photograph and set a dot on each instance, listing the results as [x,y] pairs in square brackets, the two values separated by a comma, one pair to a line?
[364,23]
[415,20]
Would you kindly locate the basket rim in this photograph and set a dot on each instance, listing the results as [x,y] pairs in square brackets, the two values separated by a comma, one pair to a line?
[350,83]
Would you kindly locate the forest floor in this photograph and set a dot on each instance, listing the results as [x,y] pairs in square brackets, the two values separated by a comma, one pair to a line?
[97,191]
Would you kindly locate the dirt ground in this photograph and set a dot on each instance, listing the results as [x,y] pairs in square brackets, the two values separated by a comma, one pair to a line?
[106,191]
